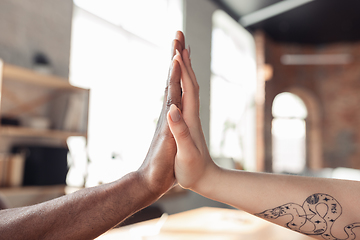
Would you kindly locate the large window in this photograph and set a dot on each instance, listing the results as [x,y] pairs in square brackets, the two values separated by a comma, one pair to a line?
[289,133]
[233,84]
[121,51]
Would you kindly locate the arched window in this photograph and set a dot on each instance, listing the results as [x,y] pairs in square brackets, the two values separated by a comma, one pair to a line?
[289,133]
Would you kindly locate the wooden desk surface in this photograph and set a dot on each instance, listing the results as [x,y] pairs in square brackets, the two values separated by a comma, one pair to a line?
[207,223]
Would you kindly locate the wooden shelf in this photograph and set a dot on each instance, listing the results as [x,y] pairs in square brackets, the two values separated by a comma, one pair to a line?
[25,97]
[10,131]
[12,72]
[31,95]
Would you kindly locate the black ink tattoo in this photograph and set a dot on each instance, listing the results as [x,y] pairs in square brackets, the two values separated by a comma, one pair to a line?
[306,218]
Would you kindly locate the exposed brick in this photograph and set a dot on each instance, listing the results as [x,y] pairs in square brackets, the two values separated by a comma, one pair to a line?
[336,89]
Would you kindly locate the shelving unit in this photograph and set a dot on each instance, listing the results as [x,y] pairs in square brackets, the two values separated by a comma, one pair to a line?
[15,73]
[26,94]
[30,132]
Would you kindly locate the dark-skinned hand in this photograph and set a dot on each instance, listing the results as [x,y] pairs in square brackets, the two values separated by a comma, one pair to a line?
[157,170]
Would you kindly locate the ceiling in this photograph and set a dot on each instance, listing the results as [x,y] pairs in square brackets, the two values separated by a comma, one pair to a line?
[309,22]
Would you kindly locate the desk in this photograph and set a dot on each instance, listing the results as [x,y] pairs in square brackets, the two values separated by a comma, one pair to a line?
[210,224]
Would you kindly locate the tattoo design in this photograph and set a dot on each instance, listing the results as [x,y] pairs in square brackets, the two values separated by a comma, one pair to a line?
[315,217]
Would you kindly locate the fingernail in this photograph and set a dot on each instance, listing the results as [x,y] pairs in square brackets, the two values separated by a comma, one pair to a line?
[174,113]
[177,52]
[188,49]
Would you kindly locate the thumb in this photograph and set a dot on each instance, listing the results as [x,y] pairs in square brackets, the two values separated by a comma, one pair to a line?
[179,129]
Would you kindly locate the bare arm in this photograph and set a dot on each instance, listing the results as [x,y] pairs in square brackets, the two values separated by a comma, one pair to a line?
[85,214]
[323,208]
[90,212]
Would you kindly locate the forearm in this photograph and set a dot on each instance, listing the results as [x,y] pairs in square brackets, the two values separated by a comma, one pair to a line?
[90,212]
[327,204]
[253,191]
[85,214]
[313,206]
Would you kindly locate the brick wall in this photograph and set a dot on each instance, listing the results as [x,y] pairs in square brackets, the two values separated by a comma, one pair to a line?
[27,27]
[336,90]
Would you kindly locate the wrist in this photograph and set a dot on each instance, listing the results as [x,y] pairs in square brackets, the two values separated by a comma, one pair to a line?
[209,179]
[141,184]
[154,184]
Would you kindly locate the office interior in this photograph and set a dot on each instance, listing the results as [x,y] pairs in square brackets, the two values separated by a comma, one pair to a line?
[279,90]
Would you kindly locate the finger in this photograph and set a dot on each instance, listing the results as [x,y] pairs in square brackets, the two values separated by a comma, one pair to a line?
[188,84]
[181,38]
[187,62]
[176,45]
[190,104]
[180,130]
[173,92]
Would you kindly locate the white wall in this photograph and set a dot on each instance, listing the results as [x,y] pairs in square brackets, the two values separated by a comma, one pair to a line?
[36,26]
[198,29]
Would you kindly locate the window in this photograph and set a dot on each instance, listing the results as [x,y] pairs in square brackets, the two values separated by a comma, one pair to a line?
[121,51]
[289,133]
[233,83]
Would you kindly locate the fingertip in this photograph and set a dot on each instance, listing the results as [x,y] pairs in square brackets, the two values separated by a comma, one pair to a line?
[179,57]
[176,45]
[180,36]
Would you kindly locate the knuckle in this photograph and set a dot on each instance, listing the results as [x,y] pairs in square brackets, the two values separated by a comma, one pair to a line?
[166,89]
[184,133]
[195,91]
[174,82]
[197,87]
[171,101]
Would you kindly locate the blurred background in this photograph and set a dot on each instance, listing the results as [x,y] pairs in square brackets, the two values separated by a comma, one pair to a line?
[279,89]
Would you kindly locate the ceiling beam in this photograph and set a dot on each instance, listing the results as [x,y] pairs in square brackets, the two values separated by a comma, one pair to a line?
[227,9]
[270,11]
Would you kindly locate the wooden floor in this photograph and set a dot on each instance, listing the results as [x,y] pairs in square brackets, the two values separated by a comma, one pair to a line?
[208,224]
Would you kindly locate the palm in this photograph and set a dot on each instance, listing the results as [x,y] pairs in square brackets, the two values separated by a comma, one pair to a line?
[192,154]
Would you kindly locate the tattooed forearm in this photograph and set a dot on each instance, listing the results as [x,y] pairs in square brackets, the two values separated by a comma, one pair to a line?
[307,219]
